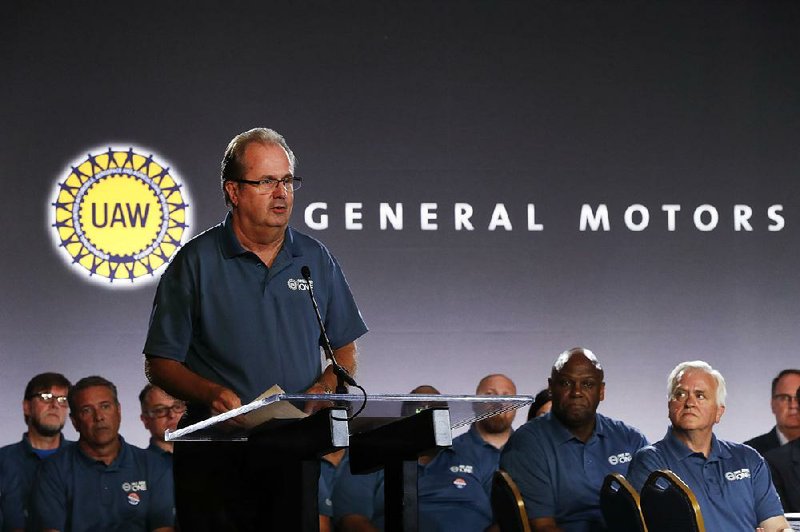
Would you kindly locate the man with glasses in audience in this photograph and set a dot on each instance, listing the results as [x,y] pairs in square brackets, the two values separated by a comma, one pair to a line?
[160,411]
[731,481]
[785,465]
[787,413]
[232,317]
[44,409]
[102,482]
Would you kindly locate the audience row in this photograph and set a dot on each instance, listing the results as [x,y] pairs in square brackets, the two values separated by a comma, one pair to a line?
[559,459]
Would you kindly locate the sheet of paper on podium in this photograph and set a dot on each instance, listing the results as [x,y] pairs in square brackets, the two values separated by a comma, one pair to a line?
[276,410]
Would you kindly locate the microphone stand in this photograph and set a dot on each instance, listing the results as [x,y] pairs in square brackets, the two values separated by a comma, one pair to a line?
[342,376]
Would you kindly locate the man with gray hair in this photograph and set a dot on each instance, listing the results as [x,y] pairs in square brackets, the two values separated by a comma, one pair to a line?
[559,460]
[232,317]
[730,480]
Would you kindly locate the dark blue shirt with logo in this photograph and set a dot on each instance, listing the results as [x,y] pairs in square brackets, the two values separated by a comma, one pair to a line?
[733,485]
[231,319]
[486,455]
[449,490]
[74,493]
[18,463]
[560,476]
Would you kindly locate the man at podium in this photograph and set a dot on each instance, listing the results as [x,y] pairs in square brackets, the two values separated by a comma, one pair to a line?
[232,317]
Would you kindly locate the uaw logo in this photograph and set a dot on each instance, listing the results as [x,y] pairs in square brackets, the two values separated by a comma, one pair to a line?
[299,284]
[119,215]
[140,485]
[621,458]
[739,474]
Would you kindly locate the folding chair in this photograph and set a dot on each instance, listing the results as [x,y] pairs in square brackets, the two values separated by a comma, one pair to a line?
[619,503]
[507,506]
[669,505]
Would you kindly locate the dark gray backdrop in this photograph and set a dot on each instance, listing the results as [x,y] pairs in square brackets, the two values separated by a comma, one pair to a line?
[556,104]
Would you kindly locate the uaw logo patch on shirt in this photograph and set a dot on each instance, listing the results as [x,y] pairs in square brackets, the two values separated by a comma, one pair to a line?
[299,284]
[461,468]
[140,485]
[621,458]
[119,214]
[739,474]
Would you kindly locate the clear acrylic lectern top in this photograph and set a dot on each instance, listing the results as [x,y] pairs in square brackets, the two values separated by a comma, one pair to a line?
[378,410]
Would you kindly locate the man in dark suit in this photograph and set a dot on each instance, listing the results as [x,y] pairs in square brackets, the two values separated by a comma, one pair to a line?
[787,414]
[785,465]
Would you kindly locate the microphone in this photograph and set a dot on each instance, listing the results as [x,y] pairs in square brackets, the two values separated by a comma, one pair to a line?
[341,374]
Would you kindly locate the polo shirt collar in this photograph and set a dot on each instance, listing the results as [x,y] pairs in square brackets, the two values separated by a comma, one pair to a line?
[26,443]
[121,458]
[231,247]
[682,452]
[563,434]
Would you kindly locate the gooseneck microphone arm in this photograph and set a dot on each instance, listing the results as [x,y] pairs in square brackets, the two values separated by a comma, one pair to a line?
[341,374]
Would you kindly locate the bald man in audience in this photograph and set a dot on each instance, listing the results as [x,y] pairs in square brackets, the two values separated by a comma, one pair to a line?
[730,480]
[559,460]
[486,438]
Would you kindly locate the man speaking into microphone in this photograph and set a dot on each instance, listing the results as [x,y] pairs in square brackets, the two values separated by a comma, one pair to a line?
[232,317]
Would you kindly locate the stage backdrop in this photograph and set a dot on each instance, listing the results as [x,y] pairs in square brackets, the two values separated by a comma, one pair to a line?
[499,180]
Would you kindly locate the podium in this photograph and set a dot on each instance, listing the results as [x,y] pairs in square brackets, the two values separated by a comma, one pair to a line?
[390,432]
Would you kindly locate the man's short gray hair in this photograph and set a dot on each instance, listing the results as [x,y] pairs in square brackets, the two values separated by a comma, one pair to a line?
[231,167]
[697,365]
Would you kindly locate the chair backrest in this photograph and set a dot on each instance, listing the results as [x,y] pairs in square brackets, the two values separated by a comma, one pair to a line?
[619,503]
[668,504]
[507,506]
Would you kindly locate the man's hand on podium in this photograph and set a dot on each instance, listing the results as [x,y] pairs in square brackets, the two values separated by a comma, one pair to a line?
[223,400]
[313,406]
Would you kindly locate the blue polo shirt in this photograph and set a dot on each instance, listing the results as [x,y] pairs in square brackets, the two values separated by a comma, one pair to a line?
[231,319]
[18,461]
[328,476]
[733,485]
[449,491]
[559,476]
[485,455]
[358,494]
[451,494]
[73,492]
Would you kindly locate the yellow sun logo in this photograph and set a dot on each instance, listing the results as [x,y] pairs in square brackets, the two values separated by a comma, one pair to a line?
[120,215]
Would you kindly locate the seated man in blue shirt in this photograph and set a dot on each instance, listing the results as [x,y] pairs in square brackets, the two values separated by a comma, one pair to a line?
[559,460]
[730,480]
[487,437]
[102,482]
[449,490]
[44,407]
[160,411]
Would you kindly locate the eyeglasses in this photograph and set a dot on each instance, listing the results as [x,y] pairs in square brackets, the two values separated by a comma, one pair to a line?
[164,411]
[267,185]
[47,397]
[786,398]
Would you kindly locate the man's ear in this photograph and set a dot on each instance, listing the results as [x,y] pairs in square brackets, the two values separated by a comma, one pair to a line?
[720,411]
[233,192]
